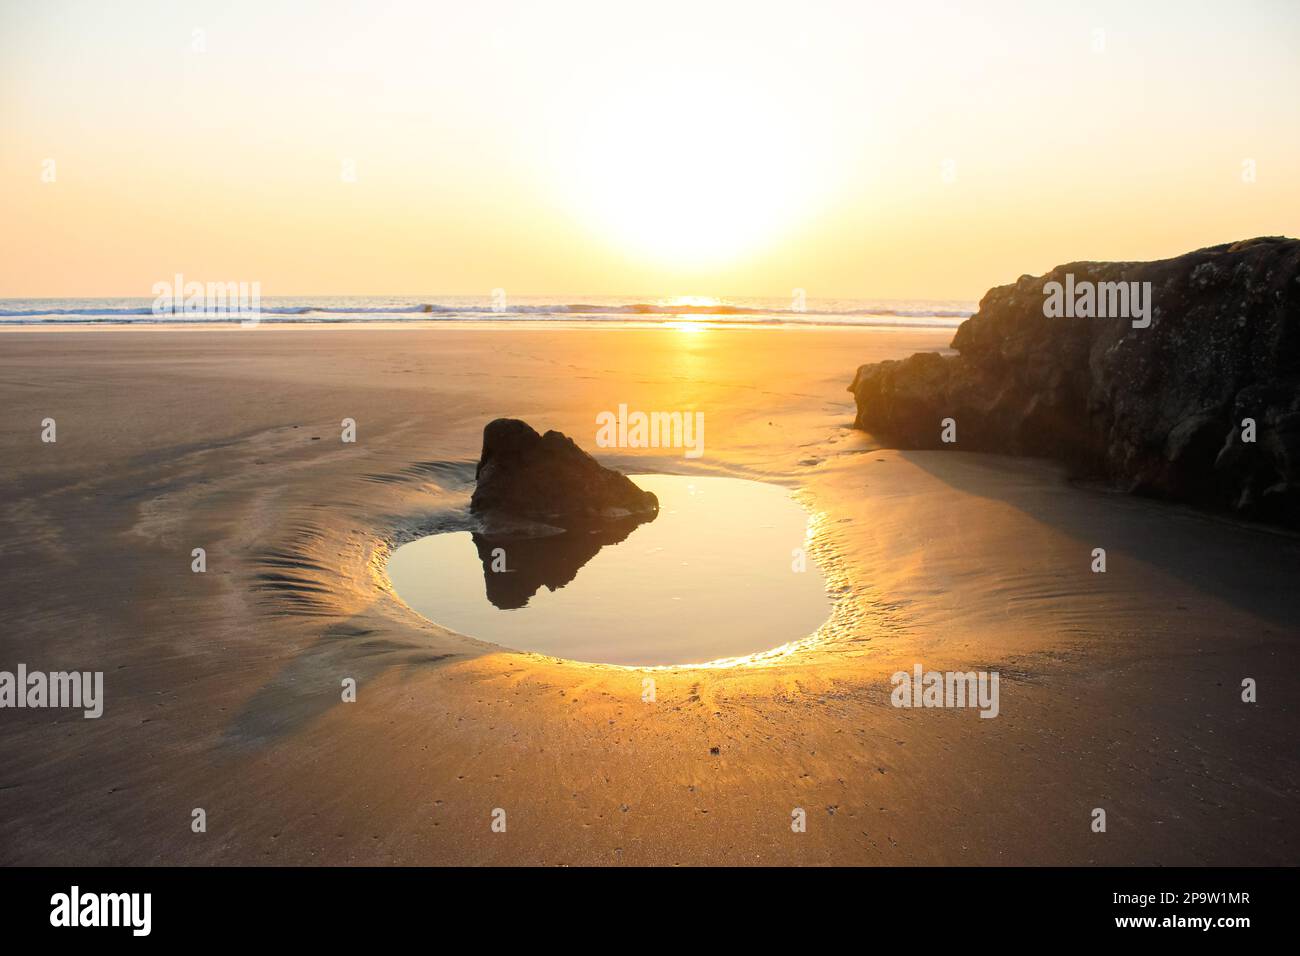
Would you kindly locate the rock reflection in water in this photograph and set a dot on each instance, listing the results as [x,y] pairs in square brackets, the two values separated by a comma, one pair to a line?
[714,575]
[550,560]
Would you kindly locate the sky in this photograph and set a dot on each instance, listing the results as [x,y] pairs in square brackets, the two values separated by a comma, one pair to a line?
[850,149]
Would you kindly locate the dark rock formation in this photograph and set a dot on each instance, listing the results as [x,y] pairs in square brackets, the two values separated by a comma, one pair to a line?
[1156,410]
[549,479]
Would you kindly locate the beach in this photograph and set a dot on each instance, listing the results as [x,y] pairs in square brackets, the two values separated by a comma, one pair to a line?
[1120,691]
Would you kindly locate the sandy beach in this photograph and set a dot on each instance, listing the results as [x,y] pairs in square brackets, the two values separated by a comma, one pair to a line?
[1119,691]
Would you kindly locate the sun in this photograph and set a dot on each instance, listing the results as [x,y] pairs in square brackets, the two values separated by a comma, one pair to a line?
[688,169]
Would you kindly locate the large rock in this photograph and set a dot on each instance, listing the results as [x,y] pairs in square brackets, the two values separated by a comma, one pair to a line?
[549,479]
[1156,410]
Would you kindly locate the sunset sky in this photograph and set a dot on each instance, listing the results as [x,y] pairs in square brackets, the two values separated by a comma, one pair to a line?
[667,148]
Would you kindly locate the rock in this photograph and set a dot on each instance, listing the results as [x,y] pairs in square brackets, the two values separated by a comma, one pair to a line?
[549,479]
[1156,410]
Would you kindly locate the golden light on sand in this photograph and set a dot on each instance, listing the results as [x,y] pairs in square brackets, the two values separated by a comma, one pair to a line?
[692,302]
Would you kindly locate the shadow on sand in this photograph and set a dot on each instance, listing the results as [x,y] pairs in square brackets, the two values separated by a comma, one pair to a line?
[1254,568]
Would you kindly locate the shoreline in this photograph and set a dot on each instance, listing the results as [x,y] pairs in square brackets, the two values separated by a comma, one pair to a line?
[684,323]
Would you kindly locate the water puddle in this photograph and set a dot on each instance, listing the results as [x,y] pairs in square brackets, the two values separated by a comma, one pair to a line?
[710,577]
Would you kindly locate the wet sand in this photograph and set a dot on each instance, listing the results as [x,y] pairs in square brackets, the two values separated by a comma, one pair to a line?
[1119,690]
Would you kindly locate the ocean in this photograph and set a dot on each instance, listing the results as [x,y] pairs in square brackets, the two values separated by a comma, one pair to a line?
[907,313]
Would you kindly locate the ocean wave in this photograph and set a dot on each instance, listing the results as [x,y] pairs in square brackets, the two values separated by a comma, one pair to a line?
[578,311]
[847,322]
